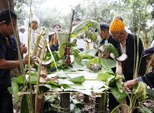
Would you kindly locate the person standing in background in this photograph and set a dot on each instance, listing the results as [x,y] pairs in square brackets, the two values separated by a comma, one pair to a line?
[106,38]
[53,40]
[81,44]
[21,33]
[32,27]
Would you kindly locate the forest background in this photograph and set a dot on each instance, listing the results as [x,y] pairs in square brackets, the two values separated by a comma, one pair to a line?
[138,15]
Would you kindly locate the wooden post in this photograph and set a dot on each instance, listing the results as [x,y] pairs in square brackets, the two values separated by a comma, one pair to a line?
[86,98]
[101,103]
[65,102]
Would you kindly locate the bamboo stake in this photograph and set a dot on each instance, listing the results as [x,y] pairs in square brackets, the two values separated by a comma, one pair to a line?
[39,71]
[69,38]
[31,110]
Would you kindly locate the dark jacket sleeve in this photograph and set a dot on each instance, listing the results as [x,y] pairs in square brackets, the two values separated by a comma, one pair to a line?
[149,79]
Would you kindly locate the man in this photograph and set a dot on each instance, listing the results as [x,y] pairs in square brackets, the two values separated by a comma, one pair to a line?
[81,44]
[8,50]
[147,78]
[106,38]
[76,21]
[33,27]
[131,46]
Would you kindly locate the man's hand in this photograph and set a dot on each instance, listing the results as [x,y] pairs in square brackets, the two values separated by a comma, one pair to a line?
[129,84]
[105,55]
[23,48]
[32,59]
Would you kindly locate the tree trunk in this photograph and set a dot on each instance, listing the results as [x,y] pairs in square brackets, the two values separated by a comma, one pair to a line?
[145,38]
[6,4]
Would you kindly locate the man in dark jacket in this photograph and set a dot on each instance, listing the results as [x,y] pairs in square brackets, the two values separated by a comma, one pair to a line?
[8,55]
[146,78]
[106,38]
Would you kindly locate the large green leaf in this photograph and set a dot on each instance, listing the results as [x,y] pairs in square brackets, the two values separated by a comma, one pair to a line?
[84,26]
[91,52]
[139,90]
[108,64]
[110,49]
[118,95]
[109,78]
[20,80]
[15,90]
[104,76]
[78,80]
[53,84]
[93,61]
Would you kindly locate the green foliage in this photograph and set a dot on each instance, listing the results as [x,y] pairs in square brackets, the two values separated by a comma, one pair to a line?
[139,90]
[110,49]
[109,78]
[78,80]
[24,104]
[93,61]
[88,28]
[108,64]
[144,110]
[150,93]
[84,26]
[119,96]
[14,90]
[53,84]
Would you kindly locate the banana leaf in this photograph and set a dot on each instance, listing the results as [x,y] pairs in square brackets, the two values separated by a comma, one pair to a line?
[110,49]
[84,26]
[93,61]
[108,64]
[117,94]
[139,90]
[78,80]
[91,52]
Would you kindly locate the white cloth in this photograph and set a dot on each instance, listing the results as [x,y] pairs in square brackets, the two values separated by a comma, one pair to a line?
[81,44]
[21,37]
[152,44]
[24,39]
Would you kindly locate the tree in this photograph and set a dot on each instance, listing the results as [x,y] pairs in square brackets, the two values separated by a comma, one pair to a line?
[6,4]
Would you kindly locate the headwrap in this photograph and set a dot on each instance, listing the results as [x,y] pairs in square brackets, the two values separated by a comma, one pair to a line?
[148,52]
[34,18]
[116,25]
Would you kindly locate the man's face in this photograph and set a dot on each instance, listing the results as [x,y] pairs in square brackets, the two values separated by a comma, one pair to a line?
[34,25]
[76,22]
[120,36]
[104,34]
[9,28]
[57,28]
[151,60]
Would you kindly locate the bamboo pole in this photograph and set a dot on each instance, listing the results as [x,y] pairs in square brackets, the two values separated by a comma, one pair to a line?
[39,71]
[30,102]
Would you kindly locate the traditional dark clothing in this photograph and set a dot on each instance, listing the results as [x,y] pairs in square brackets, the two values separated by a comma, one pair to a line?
[132,50]
[8,51]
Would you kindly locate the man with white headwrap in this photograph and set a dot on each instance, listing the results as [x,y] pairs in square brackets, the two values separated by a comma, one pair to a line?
[31,31]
